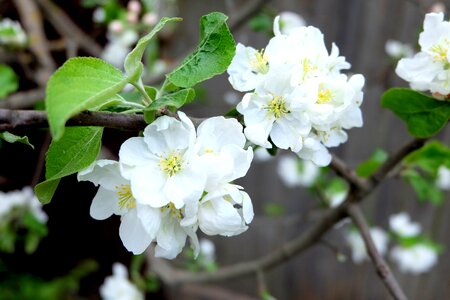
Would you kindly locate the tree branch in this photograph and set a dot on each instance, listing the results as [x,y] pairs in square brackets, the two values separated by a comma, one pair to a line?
[348,174]
[23,99]
[173,277]
[15,119]
[383,270]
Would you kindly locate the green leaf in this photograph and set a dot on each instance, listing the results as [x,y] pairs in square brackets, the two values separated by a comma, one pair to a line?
[367,168]
[425,188]
[175,100]
[82,83]
[8,81]
[274,209]
[133,62]
[11,138]
[424,115]
[211,57]
[430,157]
[77,150]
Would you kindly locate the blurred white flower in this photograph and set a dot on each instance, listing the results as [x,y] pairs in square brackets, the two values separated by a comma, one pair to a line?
[118,286]
[231,98]
[99,15]
[286,21]
[150,18]
[397,50]
[207,250]
[261,155]
[416,259]
[12,34]
[23,199]
[443,178]
[401,225]
[294,172]
[356,243]
[336,199]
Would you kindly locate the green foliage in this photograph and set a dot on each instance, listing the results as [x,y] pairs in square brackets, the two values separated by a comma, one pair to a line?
[28,287]
[424,186]
[82,83]
[8,81]
[20,225]
[133,62]
[262,22]
[173,100]
[421,168]
[367,168]
[77,149]
[274,209]
[11,138]
[212,56]
[424,115]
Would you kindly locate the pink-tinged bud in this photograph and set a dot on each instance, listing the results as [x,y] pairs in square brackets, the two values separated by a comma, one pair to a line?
[439,96]
[150,18]
[132,17]
[438,7]
[134,6]
[115,26]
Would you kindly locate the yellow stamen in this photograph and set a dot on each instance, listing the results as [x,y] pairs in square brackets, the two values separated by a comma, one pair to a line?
[260,63]
[171,163]
[324,96]
[277,107]
[126,199]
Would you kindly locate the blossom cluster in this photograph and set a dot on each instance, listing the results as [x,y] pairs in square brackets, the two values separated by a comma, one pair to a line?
[174,180]
[296,95]
[429,70]
[24,199]
[412,253]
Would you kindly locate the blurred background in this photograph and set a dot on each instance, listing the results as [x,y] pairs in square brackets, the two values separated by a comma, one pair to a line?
[79,251]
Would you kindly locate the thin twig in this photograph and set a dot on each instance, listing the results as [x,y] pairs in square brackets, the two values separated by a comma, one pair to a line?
[40,164]
[383,270]
[67,28]
[24,99]
[32,20]
[173,277]
[345,172]
[243,15]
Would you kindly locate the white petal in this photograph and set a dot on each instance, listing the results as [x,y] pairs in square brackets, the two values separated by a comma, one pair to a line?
[134,152]
[147,184]
[150,218]
[133,234]
[104,204]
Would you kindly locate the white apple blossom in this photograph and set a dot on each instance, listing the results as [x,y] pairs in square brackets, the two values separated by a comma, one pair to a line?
[335,199]
[356,243]
[227,211]
[294,172]
[22,199]
[12,34]
[119,287]
[120,40]
[429,70]
[139,223]
[247,69]
[397,50]
[297,98]
[276,110]
[286,21]
[261,155]
[417,259]
[220,148]
[443,178]
[162,166]
[401,225]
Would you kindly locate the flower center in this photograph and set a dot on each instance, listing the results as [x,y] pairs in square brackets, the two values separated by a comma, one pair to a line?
[176,213]
[260,63]
[126,199]
[440,50]
[324,96]
[308,68]
[277,107]
[172,163]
